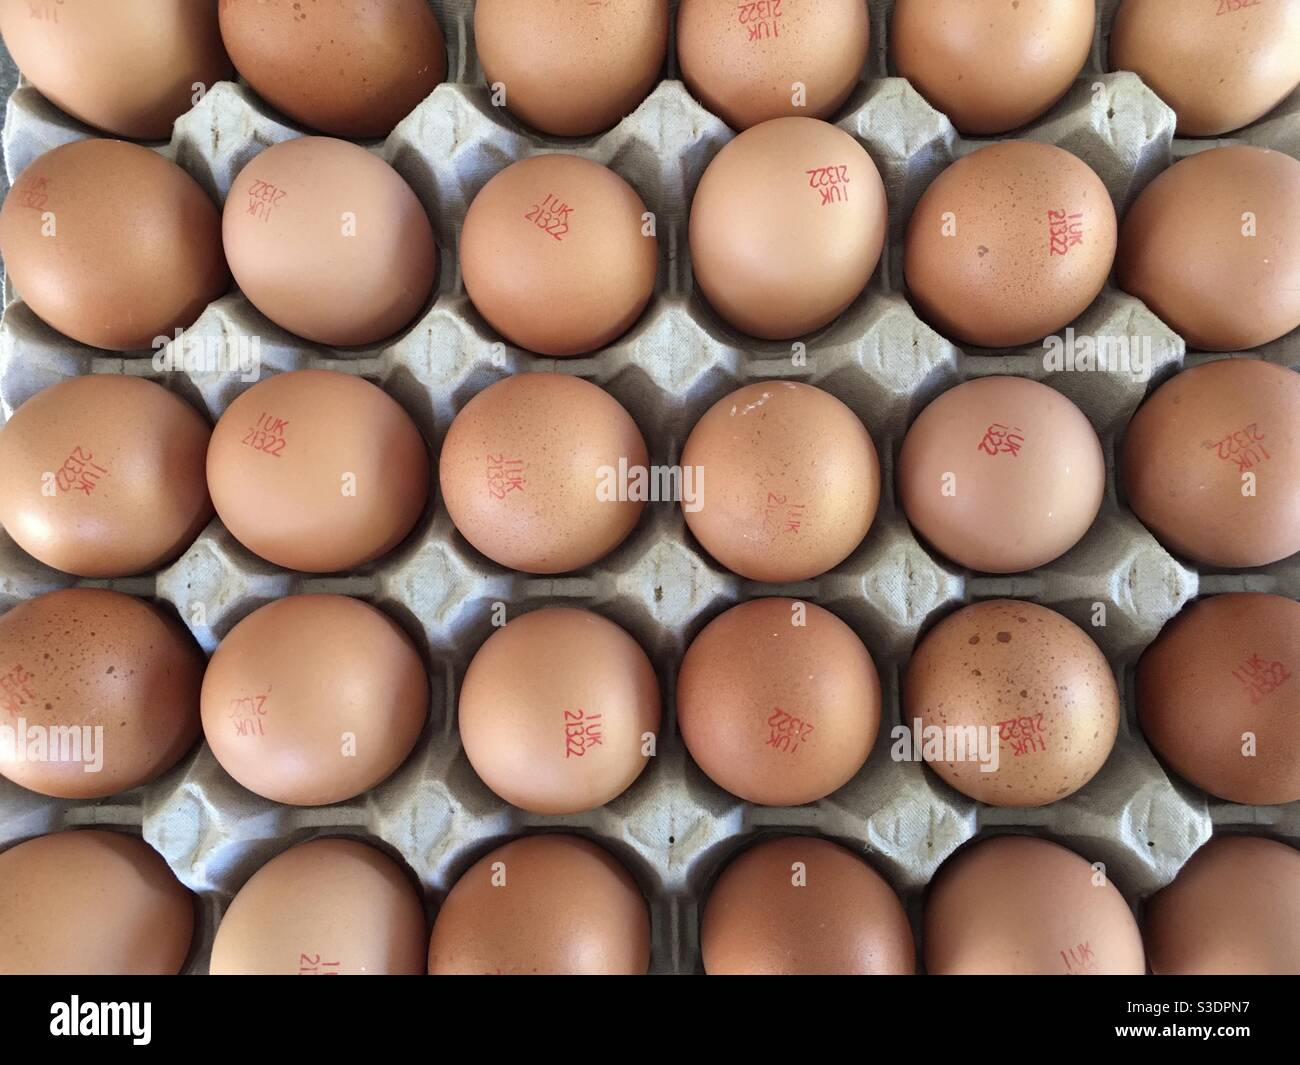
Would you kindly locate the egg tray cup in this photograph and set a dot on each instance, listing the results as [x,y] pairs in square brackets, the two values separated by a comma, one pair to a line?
[673,828]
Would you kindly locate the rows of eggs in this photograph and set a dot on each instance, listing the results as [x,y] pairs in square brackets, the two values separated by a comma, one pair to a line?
[321,472]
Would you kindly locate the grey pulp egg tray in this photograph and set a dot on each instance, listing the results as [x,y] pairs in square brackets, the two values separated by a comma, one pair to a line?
[673,828]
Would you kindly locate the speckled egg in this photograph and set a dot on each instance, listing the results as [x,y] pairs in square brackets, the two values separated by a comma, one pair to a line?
[789,481]
[115,676]
[1009,244]
[1016,688]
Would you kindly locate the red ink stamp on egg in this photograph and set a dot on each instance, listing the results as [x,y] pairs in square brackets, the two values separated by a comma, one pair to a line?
[1245,448]
[263,198]
[582,732]
[1024,735]
[551,216]
[1065,231]
[761,19]
[16,692]
[1260,677]
[830,182]
[504,476]
[1229,7]
[248,714]
[778,508]
[44,10]
[34,193]
[1001,439]
[311,965]
[267,435]
[79,472]
[1079,959]
[787,733]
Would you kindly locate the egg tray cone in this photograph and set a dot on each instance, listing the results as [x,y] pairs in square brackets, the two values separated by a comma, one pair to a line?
[674,829]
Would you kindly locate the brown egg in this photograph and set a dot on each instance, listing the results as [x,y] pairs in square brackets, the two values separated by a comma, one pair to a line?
[91,903]
[788,481]
[1233,909]
[957,55]
[750,62]
[328,907]
[317,470]
[1020,906]
[353,68]
[314,699]
[103,476]
[129,68]
[329,242]
[111,244]
[1018,688]
[1211,463]
[1219,697]
[801,906]
[778,702]
[1213,247]
[1009,244]
[1001,474]
[1220,64]
[527,467]
[571,69]
[787,226]
[559,711]
[559,255]
[543,905]
[100,691]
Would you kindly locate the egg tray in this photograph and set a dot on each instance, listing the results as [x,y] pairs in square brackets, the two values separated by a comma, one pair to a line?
[673,828]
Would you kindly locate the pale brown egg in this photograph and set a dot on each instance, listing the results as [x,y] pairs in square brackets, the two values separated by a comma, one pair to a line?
[802,906]
[1218,695]
[1020,906]
[328,907]
[559,255]
[778,702]
[1001,474]
[1011,703]
[549,905]
[1213,247]
[787,226]
[1211,463]
[353,68]
[571,69]
[91,903]
[130,67]
[101,691]
[1220,64]
[529,472]
[314,699]
[959,56]
[103,476]
[111,244]
[1234,908]
[750,62]
[559,711]
[788,481]
[1009,244]
[329,242]
[317,470]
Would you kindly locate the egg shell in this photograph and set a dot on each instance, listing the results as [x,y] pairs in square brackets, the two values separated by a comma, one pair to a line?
[128,461]
[788,481]
[1212,246]
[1233,909]
[353,68]
[1001,474]
[314,699]
[556,709]
[556,255]
[571,69]
[1035,680]
[329,242]
[1022,906]
[778,702]
[802,906]
[1220,64]
[787,226]
[543,905]
[522,465]
[1189,449]
[318,471]
[128,67]
[745,62]
[1223,671]
[958,54]
[1009,244]
[91,903]
[111,244]
[330,906]
[89,658]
